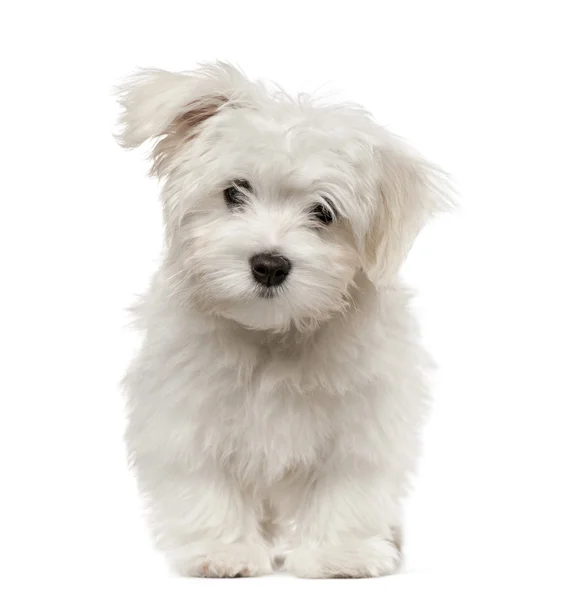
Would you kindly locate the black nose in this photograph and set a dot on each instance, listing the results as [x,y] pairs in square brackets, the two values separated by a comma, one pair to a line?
[270,269]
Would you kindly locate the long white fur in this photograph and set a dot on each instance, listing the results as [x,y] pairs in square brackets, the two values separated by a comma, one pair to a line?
[294,420]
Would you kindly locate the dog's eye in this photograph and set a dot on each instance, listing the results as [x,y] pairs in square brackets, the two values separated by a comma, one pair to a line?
[235,194]
[323,213]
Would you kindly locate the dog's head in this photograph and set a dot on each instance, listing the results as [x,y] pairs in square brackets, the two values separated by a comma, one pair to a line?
[273,205]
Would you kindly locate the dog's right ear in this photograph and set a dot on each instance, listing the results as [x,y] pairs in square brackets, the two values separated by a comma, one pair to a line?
[159,103]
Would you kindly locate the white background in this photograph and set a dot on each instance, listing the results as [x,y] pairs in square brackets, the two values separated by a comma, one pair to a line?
[477,87]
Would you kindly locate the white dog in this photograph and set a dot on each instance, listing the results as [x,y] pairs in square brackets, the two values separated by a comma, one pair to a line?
[280,389]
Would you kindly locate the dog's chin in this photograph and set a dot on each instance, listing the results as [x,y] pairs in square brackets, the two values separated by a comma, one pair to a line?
[265,312]
[274,313]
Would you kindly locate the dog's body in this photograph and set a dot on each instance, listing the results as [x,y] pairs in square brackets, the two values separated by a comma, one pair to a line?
[280,388]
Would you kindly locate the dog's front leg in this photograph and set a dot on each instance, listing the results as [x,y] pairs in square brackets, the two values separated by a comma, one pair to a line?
[347,525]
[203,522]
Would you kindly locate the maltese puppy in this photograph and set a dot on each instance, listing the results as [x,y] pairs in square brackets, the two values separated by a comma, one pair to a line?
[276,401]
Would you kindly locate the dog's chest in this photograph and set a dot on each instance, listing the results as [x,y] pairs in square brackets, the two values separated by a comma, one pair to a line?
[288,414]
[267,432]
[260,410]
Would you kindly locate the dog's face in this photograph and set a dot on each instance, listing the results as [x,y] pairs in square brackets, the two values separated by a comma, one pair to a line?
[274,205]
[263,227]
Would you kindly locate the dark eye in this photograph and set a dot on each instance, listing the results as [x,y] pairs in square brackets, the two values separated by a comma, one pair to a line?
[235,194]
[324,213]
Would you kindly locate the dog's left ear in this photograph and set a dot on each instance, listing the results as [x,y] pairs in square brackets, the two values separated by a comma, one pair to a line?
[171,107]
[408,191]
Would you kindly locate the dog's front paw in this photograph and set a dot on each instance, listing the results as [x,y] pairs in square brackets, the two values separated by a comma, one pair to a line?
[222,560]
[363,558]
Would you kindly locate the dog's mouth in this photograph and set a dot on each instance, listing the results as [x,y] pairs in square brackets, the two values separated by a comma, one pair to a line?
[269,292]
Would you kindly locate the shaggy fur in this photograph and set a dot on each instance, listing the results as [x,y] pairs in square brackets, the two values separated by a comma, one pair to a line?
[290,419]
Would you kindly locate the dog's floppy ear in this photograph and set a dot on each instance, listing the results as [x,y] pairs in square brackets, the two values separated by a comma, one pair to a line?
[171,106]
[409,191]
